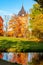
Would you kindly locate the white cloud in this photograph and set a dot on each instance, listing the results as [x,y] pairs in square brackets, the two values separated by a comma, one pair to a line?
[2,12]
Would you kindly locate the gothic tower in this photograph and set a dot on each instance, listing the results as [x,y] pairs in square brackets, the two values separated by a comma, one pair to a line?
[22,12]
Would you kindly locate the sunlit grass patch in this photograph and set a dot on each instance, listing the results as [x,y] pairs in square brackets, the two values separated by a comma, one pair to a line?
[11,44]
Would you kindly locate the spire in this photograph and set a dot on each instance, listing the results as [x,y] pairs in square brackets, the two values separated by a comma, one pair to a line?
[22,6]
[22,11]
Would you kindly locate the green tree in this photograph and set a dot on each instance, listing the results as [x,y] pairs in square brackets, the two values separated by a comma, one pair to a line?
[36,20]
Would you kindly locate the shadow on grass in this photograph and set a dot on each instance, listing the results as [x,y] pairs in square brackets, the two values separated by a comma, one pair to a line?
[21,46]
[5,44]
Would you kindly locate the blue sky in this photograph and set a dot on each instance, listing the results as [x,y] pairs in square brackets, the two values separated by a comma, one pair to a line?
[9,7]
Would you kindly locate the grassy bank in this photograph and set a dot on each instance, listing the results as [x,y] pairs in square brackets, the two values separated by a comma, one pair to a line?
[11,44]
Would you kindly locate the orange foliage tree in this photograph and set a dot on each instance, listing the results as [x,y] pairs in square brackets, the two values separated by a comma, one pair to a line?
[18,26]
[1,26]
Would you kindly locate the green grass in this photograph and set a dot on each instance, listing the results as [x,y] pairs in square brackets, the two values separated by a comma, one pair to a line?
[19,44]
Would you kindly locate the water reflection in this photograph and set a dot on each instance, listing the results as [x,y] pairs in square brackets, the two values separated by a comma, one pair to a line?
[23,58]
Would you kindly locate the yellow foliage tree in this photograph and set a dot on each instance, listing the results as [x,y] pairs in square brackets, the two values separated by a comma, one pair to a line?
[36,20]
[19,25]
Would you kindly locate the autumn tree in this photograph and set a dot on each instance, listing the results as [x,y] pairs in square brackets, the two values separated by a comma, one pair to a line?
[18,26]
[36,19]
[1,26]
